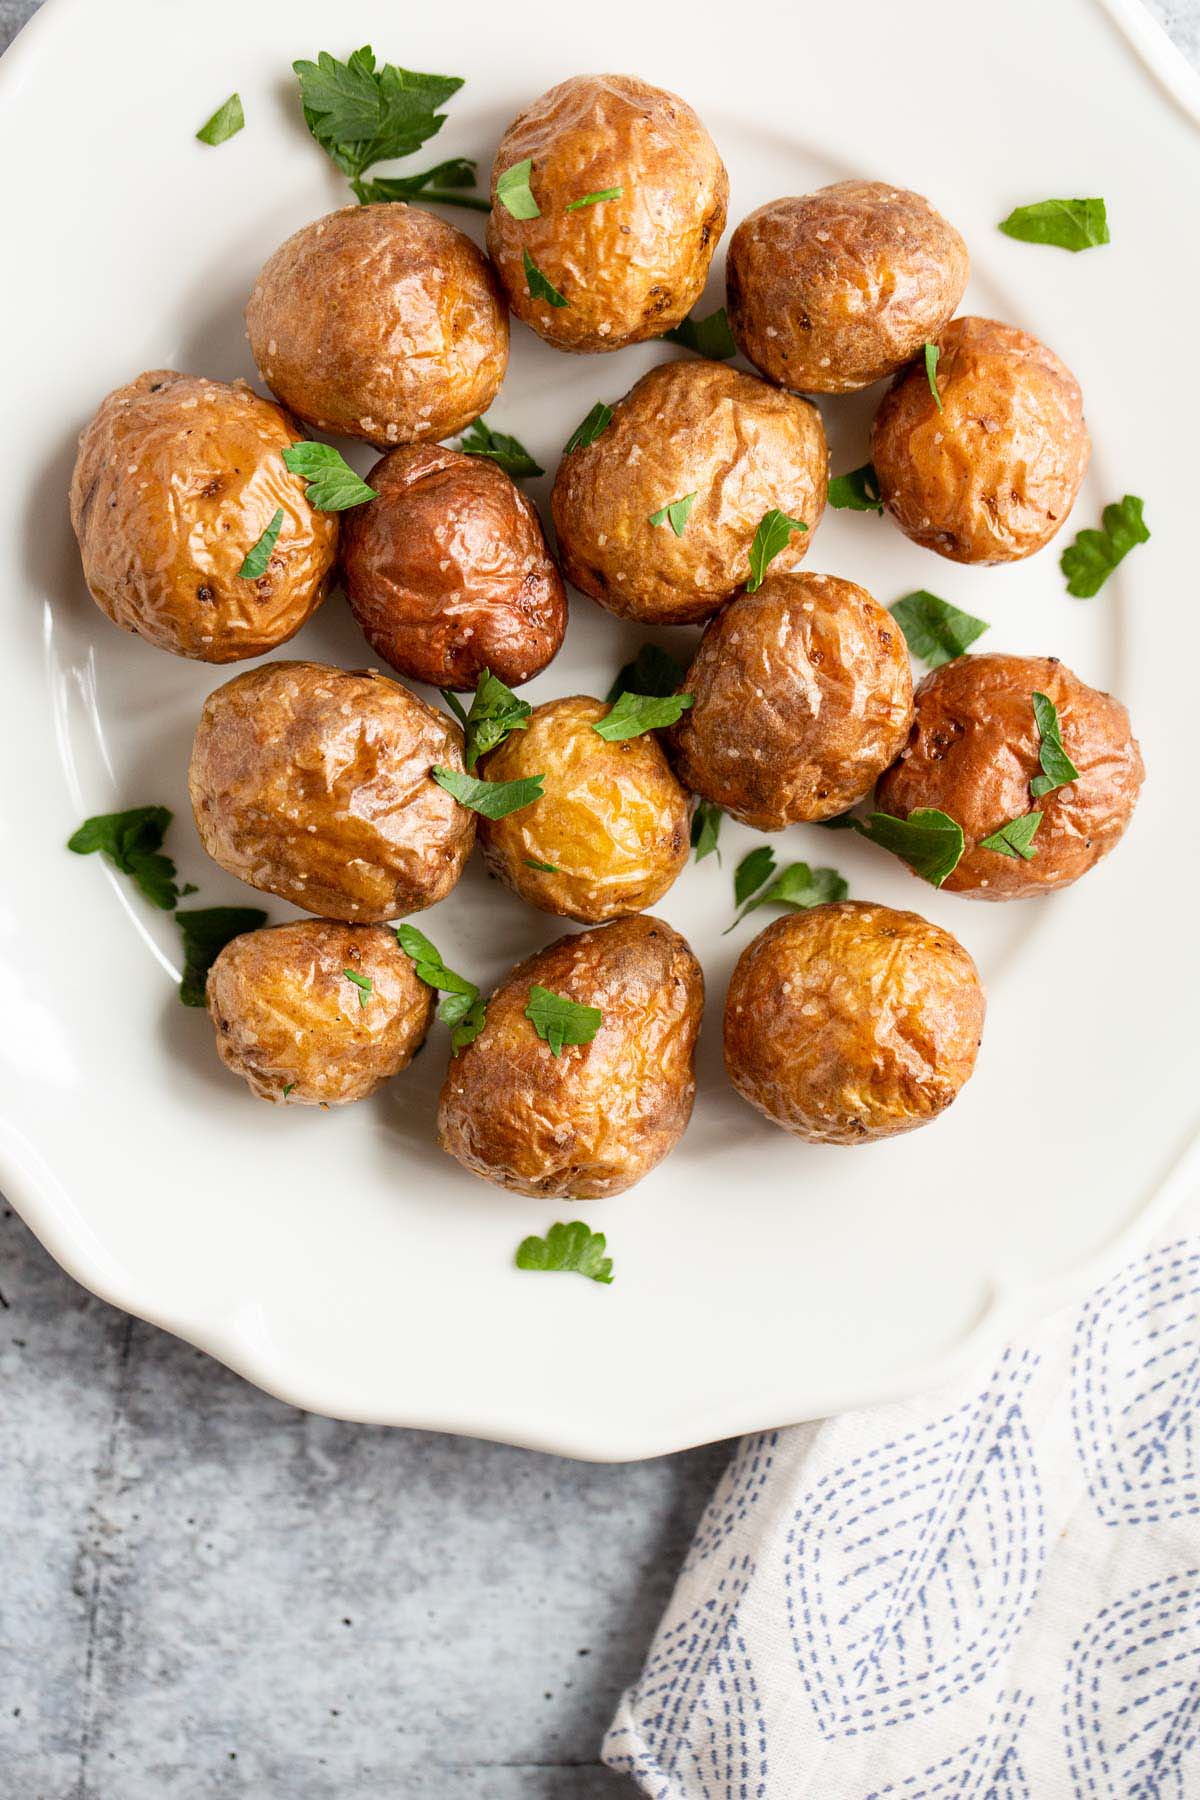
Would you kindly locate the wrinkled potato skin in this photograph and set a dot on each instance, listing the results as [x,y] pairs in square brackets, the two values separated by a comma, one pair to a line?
[287,1017]
[973,751]
[313,784]
[597,1118]
[833,290]
[175,480]
[993,476]
[448,573]
[630,268]
[686,426]
[802,697]
[380,322]
[852,1022]
[612,817]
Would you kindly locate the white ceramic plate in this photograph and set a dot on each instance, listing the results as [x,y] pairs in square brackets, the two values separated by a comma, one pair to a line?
[340,1259]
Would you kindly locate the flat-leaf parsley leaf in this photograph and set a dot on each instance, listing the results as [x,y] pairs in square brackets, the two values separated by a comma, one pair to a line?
[1057,767]
[652,671]
[494,799]
[132,842]
[499,447]
[674,514]
[363,983]
[206,931]
[634,714]
[225,123]
[495,712]
[1069,224]
[706,830]
[540,287]
[589,429]
[932,357]
[362,114]
[1015,838]
[461,1007]
[933,629]
[709,337]
[856,492]
[332,484]
[573,1248]
[514,192]
[773,535]
[615,193]
[929,841]
[561,1021]
[255,561]
[1091,559]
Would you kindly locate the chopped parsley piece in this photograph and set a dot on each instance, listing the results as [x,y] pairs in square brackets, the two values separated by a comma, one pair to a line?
[514,193]
[634,714]
[543,868]
[652,671]
[856,492]
[797,887]
[674,514]
[206,931]
[1057,767]
[560,1021]
[539,287]
[509,452]
[589,429]
[616,193]
[1069,224]
[933,629]
[929,841]
[1015,838]
[573,1248]
[494,799]
[132,842]
[932,358]
[773,535]
[709,337]
[495,712]
[225,123]
[258,556]
[332,484]
[1091,559]
[363,983]
[757,866]
[706,829]
[440,185]
[461,1008]
[288,1088]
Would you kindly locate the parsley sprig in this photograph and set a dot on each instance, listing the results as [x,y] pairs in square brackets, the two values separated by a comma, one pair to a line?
[1091,559]
[495,712]
[509,452]
[796,887]
[573,1248]
[132,842]
[461,1007]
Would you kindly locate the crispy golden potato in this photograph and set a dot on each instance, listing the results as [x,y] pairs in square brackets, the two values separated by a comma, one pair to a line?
[314,784]
[688,427]
[628,268]
[293,1025]
[833,290]
[992,476]
[596,1118]
[612,820]
[448,572]
[802,697]
[973,750]
[852,1022]
[380,322]
[175,481]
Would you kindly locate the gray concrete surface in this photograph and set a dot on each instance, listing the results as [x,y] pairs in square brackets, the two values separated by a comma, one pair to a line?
[206,1593]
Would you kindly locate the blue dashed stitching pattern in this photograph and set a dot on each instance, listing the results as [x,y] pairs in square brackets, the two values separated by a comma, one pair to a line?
[735,1496]
[989,1768]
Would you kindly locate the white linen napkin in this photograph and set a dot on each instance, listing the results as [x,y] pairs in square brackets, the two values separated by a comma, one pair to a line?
[987,1593]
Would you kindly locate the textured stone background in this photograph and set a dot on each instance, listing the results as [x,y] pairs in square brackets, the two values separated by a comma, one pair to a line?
[205,1593]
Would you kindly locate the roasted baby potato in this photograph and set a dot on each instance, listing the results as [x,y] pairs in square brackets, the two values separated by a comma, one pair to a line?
[852,1022]
[687,428]
[597,1117]
[974,749]
[612,821]
[992,475]
[802,697]
[448,572]
[627,267]
[380,322]
[317,1013]
[175,481]
[314,784]
[833,290]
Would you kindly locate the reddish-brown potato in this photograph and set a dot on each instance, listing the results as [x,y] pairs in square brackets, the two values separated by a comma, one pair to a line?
[380,322]
[802,697]
[175,481]
[612,821]
[296,1028]
[974,749]
[630,267]
[598,1117]
[833,290]
[448,572]
[739,445]
[991,476]
[314,784]
[852,1022]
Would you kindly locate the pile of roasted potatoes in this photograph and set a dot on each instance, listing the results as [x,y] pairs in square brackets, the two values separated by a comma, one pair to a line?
[696,498]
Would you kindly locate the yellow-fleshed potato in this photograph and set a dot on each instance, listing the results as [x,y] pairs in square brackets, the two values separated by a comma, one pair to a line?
[597,1117]
[802,697]
[175,481]
[380,322]
[833,290]
[610,832]
[993,474]
[317,1013]
[448,572]
[852,1022]
[974,749]
[314,784]
[687,428]
[627,267]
